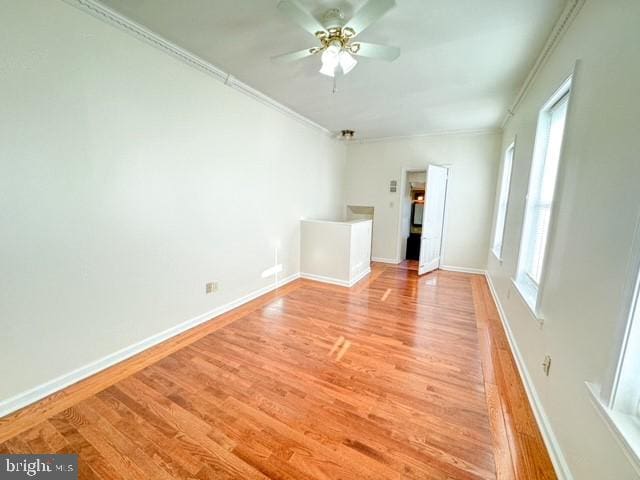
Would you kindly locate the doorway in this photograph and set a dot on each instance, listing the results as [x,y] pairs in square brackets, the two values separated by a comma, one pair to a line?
[413,212]
[422,217]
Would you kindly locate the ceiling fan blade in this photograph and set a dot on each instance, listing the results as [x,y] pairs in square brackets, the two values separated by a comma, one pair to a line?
[369,13]
[300,16]
[382,52]
[293,56]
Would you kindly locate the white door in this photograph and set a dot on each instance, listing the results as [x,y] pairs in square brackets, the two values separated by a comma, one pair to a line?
[433,219]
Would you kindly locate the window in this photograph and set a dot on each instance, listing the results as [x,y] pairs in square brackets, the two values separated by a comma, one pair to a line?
[542,182]
[626,397]
[503,200]
[619,400]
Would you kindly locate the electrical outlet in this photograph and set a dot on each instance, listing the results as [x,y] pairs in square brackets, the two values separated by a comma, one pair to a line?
[546,365]
[211,287]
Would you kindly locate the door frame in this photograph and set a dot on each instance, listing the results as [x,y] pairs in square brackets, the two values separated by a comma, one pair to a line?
[403,190]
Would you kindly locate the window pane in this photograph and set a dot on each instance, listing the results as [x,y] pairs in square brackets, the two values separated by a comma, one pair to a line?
[627,394]
[541,204]
[541,216]
[501,215]
[544,172]
[556,132]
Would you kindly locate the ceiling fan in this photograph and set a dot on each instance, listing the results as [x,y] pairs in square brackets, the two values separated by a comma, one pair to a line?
[337,37]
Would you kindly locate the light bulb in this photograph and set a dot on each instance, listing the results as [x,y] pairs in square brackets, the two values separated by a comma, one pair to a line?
[347,62]
[330,59]
[328,70]
[334,48]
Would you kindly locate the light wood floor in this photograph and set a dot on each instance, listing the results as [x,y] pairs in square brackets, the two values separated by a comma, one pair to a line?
[398,377]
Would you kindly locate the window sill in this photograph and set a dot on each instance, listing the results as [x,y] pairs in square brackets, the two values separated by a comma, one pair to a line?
[625,428]
[529,297]
[497,257]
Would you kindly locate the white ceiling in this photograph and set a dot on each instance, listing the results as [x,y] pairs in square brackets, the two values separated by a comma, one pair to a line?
[461,65]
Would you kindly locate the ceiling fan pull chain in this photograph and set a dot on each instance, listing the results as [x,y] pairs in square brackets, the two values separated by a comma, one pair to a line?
[335,86]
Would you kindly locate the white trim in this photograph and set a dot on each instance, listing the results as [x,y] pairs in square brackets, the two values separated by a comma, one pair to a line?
[39,392]
[555,452]
[562,25]
[623,427]
[528,298]
[453,268]
[536,316]
[360,276]
[445,218]
[628,300]
[336,281]
[337,222]
[532,292]
[498,259]
[437,133]
[499,192]
[127,25]
[393,261]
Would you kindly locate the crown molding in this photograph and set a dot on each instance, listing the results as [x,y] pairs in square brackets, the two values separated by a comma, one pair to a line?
[107,15]
[438,133]
[569,13]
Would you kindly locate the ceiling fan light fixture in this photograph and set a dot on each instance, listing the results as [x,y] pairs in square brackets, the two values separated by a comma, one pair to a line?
[347,135]
[330,54]
[328,70]
[347,62]
[330,59]
[336,37]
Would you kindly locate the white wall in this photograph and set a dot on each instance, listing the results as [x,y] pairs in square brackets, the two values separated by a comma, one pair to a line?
[360,250]
[598,203]
[473,159]
[325,249]
[127,181]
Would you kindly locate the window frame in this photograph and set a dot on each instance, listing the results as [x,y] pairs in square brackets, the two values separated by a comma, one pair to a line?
[605,397]
[509,155]
[530,290]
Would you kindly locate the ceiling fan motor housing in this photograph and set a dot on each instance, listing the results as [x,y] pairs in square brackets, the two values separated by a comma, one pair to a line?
[333,19]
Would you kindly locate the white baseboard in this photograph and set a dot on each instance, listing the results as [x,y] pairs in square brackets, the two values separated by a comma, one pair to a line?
[336,281]
[323,279]
[39,392]
[394,261]
[555,452]
[452,268]
[360,276]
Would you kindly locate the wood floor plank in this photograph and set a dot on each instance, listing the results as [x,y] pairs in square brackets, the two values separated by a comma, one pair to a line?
[90,461]
[519,450]
[400,376]
[17,422]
